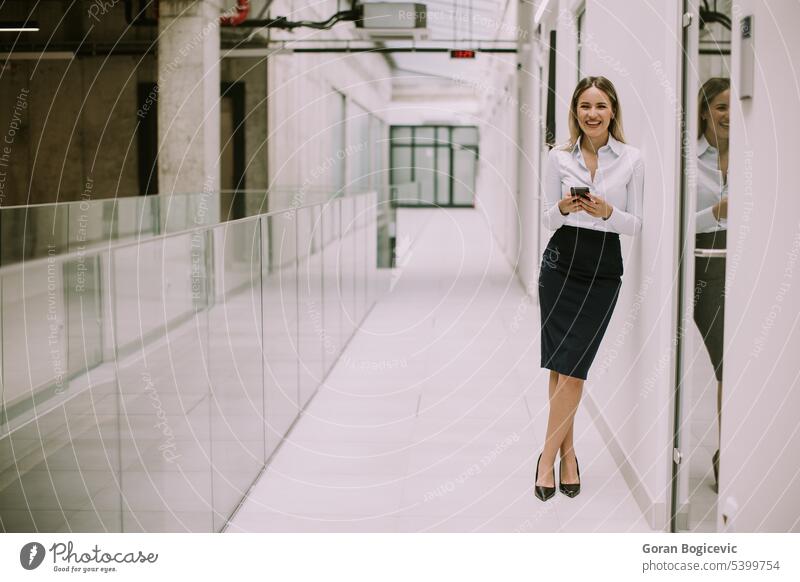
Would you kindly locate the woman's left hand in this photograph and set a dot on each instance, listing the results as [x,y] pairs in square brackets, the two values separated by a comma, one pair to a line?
[597,207]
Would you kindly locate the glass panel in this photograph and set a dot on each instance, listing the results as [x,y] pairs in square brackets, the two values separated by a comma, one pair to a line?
[371,242]
[32,232]
[367,244]
[148,278]
[465,136]
[163,386]
[58,468]
[443,135]
[705,225]
[347,268]
[328,232]
[310,306]
[84,317]
[401,135]
[331,314]
[360,260]
[424,173]
[132,217]
[443,176]
[464,163]
[424,136]
[92,222]
[235,368]
[156,350]
[316,228]
[279,316]
[59,473]
[401,165]
[34,325]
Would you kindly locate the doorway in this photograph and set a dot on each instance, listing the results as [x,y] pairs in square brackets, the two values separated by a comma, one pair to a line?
[433,165]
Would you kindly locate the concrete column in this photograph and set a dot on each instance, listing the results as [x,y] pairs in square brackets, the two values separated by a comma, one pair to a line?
[528,137]
[188,104]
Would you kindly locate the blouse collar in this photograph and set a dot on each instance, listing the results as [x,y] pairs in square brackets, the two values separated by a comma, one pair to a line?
[613,144]
[703,145]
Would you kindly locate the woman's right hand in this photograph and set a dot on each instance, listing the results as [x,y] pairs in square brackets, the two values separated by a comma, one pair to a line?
[569,203]
[719,210]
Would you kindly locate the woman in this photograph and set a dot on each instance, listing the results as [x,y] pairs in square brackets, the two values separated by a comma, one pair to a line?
[581,269]
[712,222]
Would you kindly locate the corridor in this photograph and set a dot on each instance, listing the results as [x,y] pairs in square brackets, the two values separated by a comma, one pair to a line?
[433,417]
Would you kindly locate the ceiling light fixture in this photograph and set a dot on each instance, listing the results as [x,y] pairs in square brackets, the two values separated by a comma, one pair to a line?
[30,26]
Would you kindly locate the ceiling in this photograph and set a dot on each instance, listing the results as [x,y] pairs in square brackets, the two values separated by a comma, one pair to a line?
[460,24]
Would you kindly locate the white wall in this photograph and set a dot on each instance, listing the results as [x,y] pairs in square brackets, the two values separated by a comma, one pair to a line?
[496,183]
[761,396]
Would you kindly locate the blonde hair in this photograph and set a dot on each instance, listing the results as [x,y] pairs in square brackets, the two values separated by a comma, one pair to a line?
[708,92]
[614,128]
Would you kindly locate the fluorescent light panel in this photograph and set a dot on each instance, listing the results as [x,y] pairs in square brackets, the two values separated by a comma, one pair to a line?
[30,26]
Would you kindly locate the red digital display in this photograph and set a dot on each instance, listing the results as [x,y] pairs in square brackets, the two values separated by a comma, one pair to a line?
[462,54]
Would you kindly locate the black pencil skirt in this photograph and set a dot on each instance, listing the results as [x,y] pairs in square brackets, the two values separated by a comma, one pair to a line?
[709,296]
[579,282]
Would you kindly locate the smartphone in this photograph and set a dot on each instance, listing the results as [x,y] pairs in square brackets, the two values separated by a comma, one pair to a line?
[581,191]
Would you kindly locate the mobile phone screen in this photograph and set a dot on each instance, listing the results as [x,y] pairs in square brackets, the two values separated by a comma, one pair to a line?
[581,191]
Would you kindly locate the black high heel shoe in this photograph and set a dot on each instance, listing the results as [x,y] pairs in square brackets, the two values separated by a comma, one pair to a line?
[569,489]
[542,492]
[715,464]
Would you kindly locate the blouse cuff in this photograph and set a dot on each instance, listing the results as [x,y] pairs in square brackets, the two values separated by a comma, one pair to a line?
[622,222]
[706,220]
[554,218]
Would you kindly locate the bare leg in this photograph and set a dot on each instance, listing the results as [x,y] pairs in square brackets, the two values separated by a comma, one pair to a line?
[566,450]
[564,399]
[567,443]
[569,472]
[553,382]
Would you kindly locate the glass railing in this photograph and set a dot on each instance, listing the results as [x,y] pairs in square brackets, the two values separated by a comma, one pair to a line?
[145,382]
[39,230]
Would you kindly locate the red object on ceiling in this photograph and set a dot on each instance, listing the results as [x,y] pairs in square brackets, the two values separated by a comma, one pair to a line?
[462,54]
[242,10]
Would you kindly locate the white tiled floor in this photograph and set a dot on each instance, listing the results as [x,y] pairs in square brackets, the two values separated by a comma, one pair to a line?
[442,433]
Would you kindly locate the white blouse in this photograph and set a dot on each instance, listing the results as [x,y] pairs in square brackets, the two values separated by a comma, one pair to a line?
[619,179]
[710,187]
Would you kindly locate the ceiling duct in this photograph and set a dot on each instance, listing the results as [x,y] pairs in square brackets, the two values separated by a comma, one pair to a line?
[393,21]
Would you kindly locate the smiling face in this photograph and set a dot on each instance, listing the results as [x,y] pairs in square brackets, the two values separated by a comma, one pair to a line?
[717,118]
[594,113]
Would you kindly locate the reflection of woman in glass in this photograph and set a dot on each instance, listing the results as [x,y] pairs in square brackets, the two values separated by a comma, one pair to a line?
[712,221]
[581,269]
